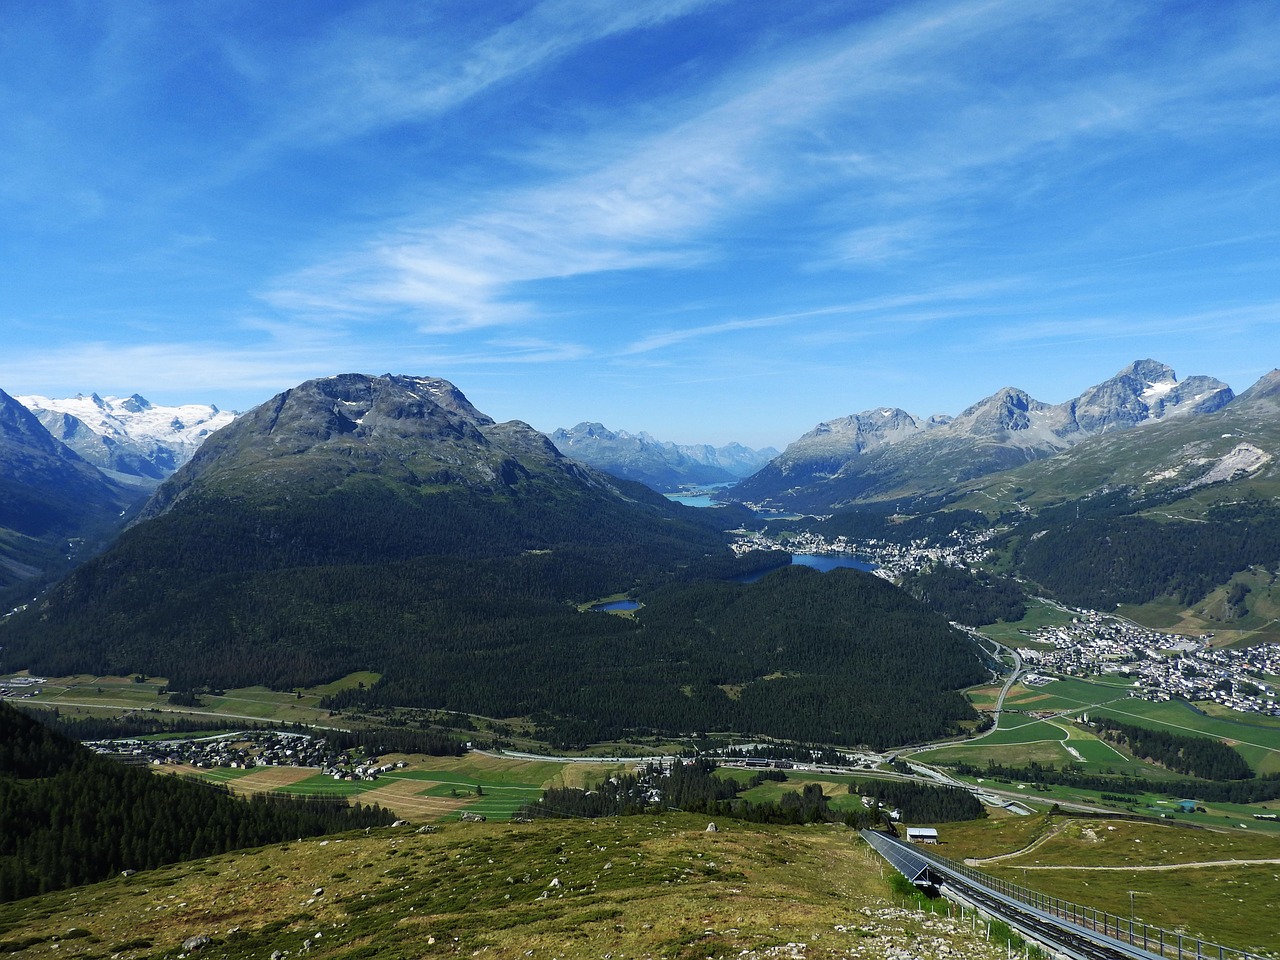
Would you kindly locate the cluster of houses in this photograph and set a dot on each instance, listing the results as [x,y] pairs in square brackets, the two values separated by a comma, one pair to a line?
[245,750]
[363,771]
[17,688]
[1161,665]
[892,560]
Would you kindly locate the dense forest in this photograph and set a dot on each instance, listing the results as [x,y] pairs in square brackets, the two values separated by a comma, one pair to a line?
[1106,557]
[839,657]
[71,817]
[226,593]
[973,597]
[922,802]
[1255,790]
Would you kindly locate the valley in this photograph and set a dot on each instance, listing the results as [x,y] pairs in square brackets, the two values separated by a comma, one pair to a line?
[368,592]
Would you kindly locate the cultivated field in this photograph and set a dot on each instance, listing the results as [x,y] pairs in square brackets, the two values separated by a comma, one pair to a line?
[427,788]
[87,695]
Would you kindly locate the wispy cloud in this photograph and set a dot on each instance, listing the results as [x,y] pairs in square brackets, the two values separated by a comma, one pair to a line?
[640,199]
[384,64]
[813,120]
[1140,325]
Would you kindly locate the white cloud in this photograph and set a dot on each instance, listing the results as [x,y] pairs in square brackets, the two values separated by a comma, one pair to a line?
[372,69]
[638,199]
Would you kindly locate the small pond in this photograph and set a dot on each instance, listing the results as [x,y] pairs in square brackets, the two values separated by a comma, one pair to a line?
[612,606]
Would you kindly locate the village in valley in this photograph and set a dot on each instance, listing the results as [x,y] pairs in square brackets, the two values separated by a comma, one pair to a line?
[1162,666]
[245,750]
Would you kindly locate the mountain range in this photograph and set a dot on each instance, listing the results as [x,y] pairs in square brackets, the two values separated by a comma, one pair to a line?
[886,453]
[1231,446]
[131,439]
[662,465]
[55,507]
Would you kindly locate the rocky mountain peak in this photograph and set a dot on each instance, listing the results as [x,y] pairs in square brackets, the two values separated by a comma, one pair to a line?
[1146,390]
[586,430]
[419,431]
[136,403]
[1148,371]
[1008,410]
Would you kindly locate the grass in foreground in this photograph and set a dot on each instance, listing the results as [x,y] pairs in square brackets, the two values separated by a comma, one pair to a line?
[632,887]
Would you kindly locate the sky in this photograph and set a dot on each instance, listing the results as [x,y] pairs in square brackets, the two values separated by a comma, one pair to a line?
[713,221]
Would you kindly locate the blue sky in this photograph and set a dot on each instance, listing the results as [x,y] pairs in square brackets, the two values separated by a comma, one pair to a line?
[710,220]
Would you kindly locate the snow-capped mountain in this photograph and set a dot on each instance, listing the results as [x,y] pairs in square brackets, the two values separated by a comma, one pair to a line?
[130,438]
[54,506]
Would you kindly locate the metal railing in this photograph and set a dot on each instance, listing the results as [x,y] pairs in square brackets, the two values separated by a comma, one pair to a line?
[1127,930]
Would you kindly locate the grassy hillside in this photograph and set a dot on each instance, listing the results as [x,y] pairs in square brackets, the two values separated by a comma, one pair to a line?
[631,887]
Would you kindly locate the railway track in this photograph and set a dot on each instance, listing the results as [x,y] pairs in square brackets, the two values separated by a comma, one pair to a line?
[1065,929]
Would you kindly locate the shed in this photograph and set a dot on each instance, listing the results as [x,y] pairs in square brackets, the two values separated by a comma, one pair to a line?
[922,834]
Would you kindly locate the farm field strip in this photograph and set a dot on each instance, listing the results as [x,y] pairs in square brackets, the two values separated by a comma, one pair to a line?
[1213,726]
[423,794]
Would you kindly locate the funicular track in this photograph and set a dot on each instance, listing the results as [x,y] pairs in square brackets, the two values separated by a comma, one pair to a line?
[1064,929]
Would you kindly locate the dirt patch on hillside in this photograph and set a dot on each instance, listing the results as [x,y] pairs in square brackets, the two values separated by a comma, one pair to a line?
[271,778]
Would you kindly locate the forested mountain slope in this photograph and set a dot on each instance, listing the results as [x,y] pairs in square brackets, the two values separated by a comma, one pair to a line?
[71,817]
[384,524]
[341,521]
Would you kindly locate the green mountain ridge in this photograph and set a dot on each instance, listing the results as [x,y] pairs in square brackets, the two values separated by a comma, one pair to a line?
[382,523]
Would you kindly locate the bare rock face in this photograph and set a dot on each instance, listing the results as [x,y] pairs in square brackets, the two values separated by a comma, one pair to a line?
[1263,395]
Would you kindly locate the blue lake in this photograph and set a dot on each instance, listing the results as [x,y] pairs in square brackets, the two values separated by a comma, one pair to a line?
[692,500]
[615,605]
[700,497]
[828,561]
[820,562]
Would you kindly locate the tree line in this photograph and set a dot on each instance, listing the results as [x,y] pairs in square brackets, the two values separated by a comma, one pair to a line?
[71,817]
[1192,756]
[1254,790]
[694,787]
[1106,557]
[972,597]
